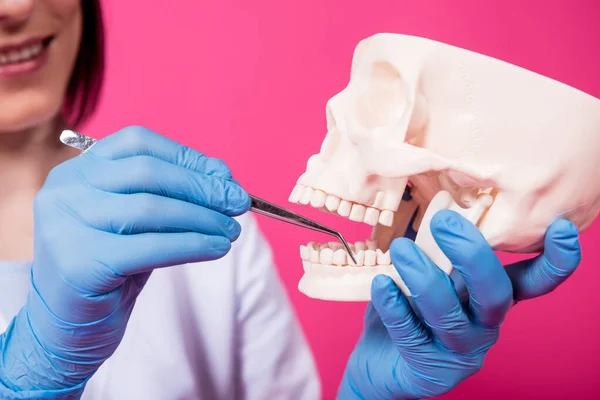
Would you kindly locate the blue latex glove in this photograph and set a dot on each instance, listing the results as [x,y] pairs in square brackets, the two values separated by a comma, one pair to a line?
[134,202]
[404,356]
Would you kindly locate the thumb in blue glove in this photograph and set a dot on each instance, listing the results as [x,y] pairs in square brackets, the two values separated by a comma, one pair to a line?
[425,352]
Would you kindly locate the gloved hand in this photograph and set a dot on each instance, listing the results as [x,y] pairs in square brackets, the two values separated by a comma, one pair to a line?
[404,356]
[134,202]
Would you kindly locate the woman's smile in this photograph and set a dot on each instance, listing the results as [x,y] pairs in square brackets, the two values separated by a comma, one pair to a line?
[40,43]
[25,57]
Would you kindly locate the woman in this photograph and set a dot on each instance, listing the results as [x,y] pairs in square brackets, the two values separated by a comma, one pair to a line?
[214,330]
[217,326]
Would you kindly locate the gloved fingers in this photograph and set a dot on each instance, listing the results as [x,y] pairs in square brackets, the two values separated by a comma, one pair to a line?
[401,323]
[433,294]
[139,141]
[544,273]
[490,289]
[76,294]
[84,291]
[144,174]
[160,250]
[106,269]
[143,212]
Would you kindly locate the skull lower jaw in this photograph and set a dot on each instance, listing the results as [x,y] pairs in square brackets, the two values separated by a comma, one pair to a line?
[327,282]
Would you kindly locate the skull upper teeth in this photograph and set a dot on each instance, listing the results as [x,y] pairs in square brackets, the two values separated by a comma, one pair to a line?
[25,53]
[369,214]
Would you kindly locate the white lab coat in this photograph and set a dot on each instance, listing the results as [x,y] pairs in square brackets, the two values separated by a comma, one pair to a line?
[216,330]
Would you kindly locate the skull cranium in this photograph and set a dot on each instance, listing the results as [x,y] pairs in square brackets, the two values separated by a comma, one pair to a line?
[509,149]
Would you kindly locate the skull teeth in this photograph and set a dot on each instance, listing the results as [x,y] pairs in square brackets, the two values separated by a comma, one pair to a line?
[344,208]
[318,198]
[369,214]
[332,254]
[386,218]
[332,203]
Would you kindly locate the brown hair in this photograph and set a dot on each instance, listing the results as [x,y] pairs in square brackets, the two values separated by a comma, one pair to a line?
[83,90]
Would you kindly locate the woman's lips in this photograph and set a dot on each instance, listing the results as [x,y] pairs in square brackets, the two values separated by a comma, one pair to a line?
[23,58]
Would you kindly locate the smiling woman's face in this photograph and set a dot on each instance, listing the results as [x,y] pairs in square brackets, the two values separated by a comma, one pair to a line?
[39,42]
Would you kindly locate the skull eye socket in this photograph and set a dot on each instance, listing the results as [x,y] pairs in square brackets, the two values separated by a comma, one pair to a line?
[385,98]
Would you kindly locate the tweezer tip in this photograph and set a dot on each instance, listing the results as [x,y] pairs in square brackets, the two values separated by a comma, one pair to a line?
[352,257]
[347,246]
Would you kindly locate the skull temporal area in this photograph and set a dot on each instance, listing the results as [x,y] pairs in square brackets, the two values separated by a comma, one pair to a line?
[509,149]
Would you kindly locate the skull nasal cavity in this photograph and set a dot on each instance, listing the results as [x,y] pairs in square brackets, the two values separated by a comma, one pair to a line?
[384,100]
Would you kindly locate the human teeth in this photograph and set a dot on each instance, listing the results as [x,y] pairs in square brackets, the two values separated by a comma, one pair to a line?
[332,203]
[340,257]
[317,199]
[372,244]
[344,208]
[357,213]
[22,54]
[383,258]
[371,216]
[304,253]
[306,196]
[370,258]
[326,256]
[386,218]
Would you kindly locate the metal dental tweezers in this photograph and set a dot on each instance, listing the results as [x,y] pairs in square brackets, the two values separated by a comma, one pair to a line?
[263,207]
[259,206]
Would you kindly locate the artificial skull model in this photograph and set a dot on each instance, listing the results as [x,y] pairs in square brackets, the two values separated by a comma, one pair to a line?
[507,148]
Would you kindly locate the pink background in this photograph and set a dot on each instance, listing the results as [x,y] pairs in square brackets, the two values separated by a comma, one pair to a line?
[247,81]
